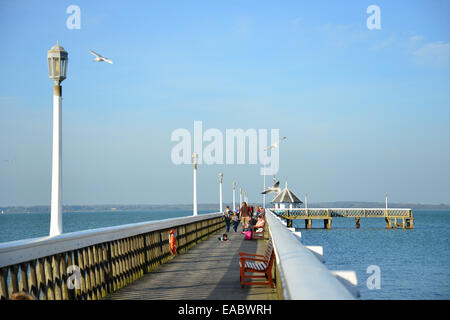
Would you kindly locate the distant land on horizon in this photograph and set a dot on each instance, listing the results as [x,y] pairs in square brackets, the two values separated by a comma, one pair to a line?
[213,207]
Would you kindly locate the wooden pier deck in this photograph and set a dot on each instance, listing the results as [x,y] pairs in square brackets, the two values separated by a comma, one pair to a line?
[208,271]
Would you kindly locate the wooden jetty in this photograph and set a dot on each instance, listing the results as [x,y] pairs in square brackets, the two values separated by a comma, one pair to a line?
[394,218]
[208,271]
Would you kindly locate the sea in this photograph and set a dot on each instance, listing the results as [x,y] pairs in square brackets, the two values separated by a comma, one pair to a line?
[408,263]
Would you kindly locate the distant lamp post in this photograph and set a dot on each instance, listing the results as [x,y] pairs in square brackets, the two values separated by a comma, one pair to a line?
[264,195]
[245,197]
[195,161]
[220,191]
[240,197]
[234,196]
[306,203]
[386,201]
[57,59]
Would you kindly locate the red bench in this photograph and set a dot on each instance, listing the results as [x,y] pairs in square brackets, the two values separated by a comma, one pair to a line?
[259,264]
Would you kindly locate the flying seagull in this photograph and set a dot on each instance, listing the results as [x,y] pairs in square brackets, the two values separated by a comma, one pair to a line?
[275,145]
[98,57]
[275,188]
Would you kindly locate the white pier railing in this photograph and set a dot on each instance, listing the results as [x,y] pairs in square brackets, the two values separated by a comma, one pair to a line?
[303,275]
[101,261]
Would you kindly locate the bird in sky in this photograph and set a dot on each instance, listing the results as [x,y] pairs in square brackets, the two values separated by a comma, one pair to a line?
[275,188]
[99,57]
[275,145]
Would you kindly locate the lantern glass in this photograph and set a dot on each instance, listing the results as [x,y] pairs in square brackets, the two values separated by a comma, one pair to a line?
[57,59]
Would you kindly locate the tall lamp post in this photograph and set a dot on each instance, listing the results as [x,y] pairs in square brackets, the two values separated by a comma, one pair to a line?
[220,191]
[245,197]
[306,203]
[386,201]
[240,198]
[57,59]
[264,195]
[234,196]
[195,161]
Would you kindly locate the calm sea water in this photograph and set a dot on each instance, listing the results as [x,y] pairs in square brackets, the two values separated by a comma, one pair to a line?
[31,225]
[414,263]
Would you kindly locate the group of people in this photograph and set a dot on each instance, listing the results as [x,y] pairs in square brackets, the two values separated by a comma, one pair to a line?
[251,218]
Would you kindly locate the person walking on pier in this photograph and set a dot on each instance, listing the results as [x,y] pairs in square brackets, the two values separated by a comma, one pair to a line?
[235,219]
[227,215]
[244,215]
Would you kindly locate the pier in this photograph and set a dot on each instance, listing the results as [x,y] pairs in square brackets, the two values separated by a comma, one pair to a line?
[133,262]
[394,218]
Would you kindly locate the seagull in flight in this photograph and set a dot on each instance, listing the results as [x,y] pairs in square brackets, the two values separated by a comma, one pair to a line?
[275,188]
[275,145]
[99,57]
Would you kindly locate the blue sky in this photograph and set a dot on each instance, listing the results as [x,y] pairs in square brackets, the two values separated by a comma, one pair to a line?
[365,111]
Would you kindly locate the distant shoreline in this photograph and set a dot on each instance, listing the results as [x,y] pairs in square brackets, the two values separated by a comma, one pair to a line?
[214,207]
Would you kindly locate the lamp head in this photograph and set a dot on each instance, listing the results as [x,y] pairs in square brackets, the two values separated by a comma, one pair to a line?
[57,59]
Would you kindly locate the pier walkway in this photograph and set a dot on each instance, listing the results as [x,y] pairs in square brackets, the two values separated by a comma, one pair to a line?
[208,271]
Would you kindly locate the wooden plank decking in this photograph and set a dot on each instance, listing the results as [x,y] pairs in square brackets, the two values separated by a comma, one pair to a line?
[208,271]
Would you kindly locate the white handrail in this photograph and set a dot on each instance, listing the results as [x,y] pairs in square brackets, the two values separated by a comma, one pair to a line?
[303,276]
[15,252]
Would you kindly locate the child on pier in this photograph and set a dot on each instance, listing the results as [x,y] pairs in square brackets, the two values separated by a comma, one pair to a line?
[227,214]
[235,219]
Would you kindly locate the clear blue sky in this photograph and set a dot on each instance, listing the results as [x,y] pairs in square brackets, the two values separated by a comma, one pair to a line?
[365,111]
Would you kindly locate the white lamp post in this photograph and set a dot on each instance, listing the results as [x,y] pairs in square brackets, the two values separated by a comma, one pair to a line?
[57,59]
[306,202]
[194,161]
[234,196]
[240,198]
[386,201]
[245,197]
[264,195]
[220,191]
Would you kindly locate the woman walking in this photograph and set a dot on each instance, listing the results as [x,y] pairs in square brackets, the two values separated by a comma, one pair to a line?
[244,215]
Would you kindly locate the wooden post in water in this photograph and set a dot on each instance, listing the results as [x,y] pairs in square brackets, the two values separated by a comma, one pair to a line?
[329,219]
[388,223]
[327,223]
[308,223]
[289,223]
[358,225]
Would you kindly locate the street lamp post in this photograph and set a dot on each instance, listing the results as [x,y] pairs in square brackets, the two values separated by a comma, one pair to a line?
[386,201]
[220,191]
[195,161]
[234,196]
[240,197]
[306,203]
[264,195]
[245,197]
[57,59]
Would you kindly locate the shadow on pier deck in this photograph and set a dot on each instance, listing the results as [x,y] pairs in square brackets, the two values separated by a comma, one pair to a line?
[208,271]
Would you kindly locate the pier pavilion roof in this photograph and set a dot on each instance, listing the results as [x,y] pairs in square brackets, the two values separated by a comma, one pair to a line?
[286,196]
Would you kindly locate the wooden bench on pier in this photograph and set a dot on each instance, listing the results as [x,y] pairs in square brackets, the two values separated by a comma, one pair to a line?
[260,264]
[258,234]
